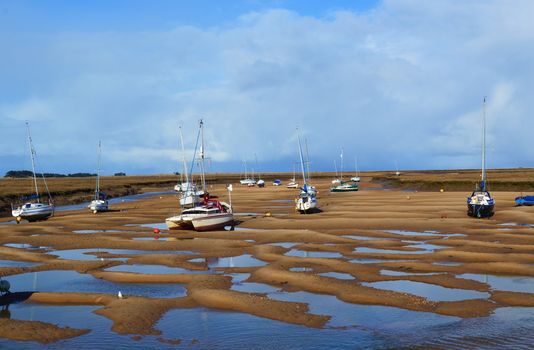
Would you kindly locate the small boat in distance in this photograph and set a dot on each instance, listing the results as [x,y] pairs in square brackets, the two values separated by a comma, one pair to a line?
[524,200]
[357,177]
[34,211]
[277,182]
[343,186]
[306,202]
[480,204]
[293,182]
[99,203]
[247,181]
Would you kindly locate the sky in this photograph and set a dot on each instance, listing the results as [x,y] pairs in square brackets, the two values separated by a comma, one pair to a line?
[391,82]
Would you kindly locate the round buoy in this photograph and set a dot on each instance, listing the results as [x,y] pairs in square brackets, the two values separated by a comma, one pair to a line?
[156,230]
[441,190]
[19,219]
[408,197]
[268,214]
[95,211]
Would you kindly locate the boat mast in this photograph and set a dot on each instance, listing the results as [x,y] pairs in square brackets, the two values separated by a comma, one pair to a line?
[356,166]
[32,154]
[301,159]
[97,190]
[483,182]
[202,156]
[341,170]
[183,156]
[307,158]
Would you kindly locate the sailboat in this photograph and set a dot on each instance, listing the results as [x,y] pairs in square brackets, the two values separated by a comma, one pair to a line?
[337,180]
[344,186]
[293,182]
[357,177]
[210,214]
[34,211]
[306,202]
[247,181]
[189,194]
[99,203]
[260,182]
[481,204]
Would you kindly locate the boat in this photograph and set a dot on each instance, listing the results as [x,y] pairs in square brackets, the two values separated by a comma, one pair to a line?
[33,211]
[306,202]
[99,203]
[293,182]
[189,194]
[357,177]
[260,183]
[481,204]
[524,200]
[277,182]
[342,186]
[337,180]
[247,181]
[210,214]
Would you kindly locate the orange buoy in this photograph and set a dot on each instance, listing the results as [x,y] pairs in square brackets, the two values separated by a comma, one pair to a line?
[156,230]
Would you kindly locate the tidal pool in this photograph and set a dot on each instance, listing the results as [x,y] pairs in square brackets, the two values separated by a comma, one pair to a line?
[505,283]
[338,275]
[72,281]
[245,260]
[429,291]
[312,254]
[15,263]
[153,269]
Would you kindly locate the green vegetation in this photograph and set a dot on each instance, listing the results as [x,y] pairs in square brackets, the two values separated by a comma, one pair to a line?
[27,173]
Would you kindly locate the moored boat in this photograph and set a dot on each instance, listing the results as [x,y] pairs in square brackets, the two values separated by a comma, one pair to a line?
[34,211]
[306,202]
[100,202]
[524,200]
[481,204]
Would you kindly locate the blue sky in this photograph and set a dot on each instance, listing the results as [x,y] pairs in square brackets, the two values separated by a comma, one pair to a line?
[389,81]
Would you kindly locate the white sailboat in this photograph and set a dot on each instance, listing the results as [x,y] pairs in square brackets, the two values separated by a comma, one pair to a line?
[189,194]
[34,211]
[247,181]
[293,182]
[342,186]
[481,204]
[210,214]
[306,202]
[259,182]
[337,180]
[99,203]
[357,177]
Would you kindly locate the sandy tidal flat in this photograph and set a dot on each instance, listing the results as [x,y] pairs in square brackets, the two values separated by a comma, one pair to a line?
[406,251]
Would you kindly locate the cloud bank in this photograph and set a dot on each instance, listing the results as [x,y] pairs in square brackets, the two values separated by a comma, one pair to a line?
[401,82]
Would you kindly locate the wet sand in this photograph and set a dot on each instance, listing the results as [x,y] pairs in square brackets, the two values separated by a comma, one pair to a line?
[391,230]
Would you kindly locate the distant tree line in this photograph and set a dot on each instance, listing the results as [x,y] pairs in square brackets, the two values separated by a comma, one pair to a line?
[27,173]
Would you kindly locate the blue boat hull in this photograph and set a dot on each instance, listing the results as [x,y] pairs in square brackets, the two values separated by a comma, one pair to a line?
[524,200]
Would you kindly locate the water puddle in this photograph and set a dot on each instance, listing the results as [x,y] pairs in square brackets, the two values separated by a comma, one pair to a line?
[158,225]
[14,263]
[153,269]
[252,287]
[247,214]
[338,275]
[427,247]
[314,254]
[376,261]
[72,281]
[516,224]
[198,260]
[25,246]
[366,238]
[446,263]
[504,283]
[96,231]
[237,228]
[388,251]
[424,233]
[245,260]
[401,273]
[286,245]
[90,253]
[153,238]
[429,291]
[301,269]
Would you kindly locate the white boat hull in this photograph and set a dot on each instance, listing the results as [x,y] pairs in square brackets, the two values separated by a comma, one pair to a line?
[213,222]
[179,222]
[305,205]
[33,212]
[98,205]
